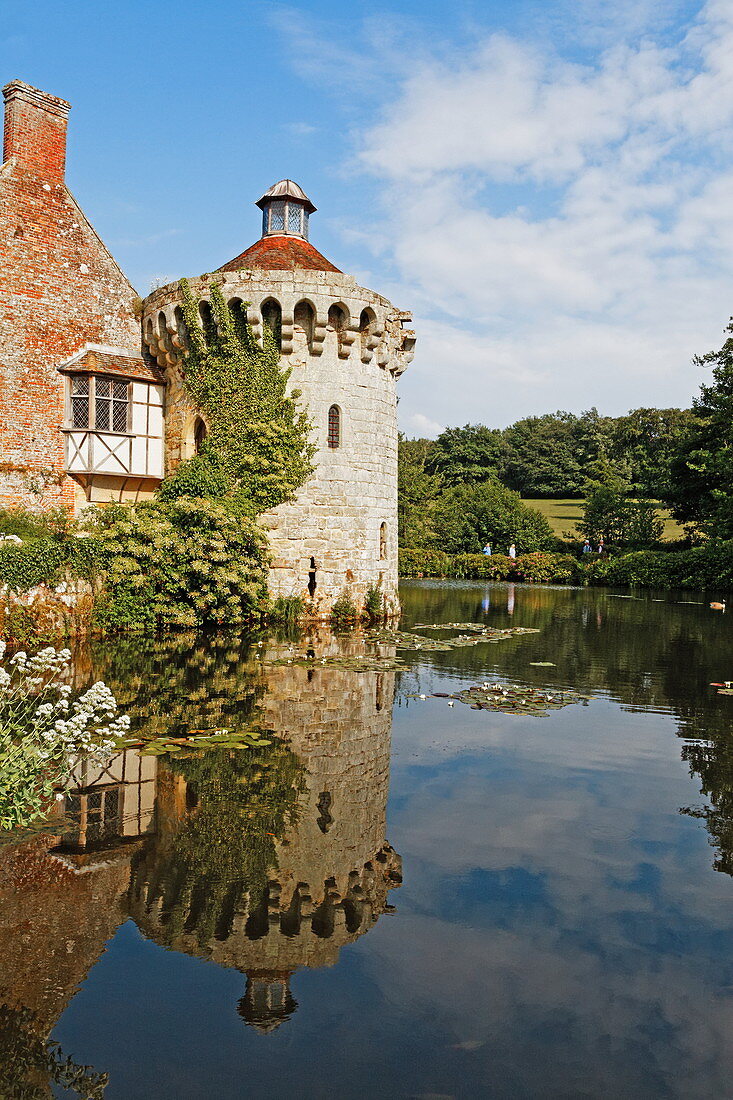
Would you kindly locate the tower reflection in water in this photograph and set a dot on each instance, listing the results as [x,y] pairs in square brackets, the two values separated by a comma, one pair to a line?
[265,860]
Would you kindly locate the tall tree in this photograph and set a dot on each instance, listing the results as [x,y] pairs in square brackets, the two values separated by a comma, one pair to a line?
[467,455]
[417,493]
[701,481]
[646,442]
[468,516]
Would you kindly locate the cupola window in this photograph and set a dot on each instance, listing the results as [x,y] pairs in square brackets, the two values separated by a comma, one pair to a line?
[285,210]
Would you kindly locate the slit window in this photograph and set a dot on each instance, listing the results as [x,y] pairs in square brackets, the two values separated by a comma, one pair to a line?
[334,426]
[383,540]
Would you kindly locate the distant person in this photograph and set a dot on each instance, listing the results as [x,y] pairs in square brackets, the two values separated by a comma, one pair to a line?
[512,551]
[600,545]
[487,549]
[587,547]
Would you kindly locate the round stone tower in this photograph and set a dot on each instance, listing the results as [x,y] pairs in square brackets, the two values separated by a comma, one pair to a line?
[346,347]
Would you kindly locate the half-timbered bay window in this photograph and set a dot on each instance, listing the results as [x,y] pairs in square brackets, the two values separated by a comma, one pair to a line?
[114,423]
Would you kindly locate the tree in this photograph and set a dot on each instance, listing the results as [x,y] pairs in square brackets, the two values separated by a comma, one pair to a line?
[468,516]
[257,451]
[547,456]
[611,514]
[417,493]
[646,441]
[467,455]
[701,476]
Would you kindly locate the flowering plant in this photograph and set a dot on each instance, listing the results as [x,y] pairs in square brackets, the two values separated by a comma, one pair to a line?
[43,728]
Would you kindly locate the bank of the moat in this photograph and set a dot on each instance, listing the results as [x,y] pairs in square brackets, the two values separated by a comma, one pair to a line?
[397,894]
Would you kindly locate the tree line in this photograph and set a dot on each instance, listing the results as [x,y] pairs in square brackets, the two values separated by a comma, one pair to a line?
[470,484]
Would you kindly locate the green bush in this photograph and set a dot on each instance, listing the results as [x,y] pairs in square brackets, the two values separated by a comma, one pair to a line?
[537,566]
[188,563]
[37,562]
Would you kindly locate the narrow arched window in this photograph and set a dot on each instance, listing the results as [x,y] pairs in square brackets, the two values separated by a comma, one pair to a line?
[199,435]
[338,320]
[366,325]
[272,316]
[383,540]
[304,316]
[334,426]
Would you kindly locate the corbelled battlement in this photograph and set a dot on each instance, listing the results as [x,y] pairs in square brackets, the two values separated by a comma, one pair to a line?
[366,324]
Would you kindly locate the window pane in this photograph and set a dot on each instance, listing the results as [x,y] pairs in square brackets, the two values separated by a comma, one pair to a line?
[102,416]
[294,217]
[119,416]
[277,217]
[119,391]
[103,387]
[79,385]
[80,412]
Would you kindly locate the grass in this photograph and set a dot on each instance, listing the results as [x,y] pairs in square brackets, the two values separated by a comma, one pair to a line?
[564,515]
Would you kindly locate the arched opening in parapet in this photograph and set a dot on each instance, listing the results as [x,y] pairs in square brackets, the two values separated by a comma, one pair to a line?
[312,578]
[304,316]
[382,541]
[272,316]
[338,319]
[200,432]
[208,324]
[334,427]
[367,322]
[238,311]
[180,324]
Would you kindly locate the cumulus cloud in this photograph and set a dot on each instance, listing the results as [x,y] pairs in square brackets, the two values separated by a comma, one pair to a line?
[563,230]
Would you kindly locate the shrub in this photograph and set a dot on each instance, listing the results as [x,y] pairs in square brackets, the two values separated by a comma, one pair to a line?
[37,562]
[374,603]
[287,609]
[344,610]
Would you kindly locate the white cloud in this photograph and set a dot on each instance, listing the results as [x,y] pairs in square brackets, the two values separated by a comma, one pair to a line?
[609,266]
[418,425]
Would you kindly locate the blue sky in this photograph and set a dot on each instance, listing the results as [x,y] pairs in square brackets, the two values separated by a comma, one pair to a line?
[547,184]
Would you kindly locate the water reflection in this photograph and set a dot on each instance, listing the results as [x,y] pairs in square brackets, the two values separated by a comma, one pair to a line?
[264,860]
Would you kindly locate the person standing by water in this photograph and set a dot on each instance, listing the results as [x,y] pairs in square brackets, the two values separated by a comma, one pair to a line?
[512,551]
[587,549]
[600,545]
[487,550]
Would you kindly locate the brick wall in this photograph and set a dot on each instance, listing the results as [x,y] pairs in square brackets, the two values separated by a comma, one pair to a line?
[59,289]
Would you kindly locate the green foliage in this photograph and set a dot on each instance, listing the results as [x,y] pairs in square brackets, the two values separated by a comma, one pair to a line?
[467,516]
[30,1063]
[51,523]
[344,610]
[182,564]
[646,443]
[701,489]
[467,455]
[374,603]
[258,447]
[539,566]
[37,562]
[417,493]
[287,609]
[244,801]
[547,456]
[609,513]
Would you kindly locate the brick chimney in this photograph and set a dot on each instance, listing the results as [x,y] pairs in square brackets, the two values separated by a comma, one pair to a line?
[35,131]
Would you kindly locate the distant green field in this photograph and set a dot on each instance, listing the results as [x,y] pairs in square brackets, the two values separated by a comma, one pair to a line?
[563,515]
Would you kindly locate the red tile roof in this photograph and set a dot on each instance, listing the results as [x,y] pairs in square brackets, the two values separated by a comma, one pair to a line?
[92,361]
[281,254]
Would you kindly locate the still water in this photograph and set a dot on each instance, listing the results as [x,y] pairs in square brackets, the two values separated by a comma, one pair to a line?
[396,897]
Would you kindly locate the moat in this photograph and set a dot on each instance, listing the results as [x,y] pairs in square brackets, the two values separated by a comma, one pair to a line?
[399,895]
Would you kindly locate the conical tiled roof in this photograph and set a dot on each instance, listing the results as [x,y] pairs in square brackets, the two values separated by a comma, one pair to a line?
[281,253]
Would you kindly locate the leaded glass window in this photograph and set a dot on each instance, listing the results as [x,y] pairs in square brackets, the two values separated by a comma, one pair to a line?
[110,405]
[277,217]
[305,223]
[294,217]
[80,401]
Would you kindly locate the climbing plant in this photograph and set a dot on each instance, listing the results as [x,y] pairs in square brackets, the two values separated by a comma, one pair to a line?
[257,451]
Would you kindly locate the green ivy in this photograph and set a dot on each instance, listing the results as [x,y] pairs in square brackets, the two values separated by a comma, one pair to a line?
[257,451]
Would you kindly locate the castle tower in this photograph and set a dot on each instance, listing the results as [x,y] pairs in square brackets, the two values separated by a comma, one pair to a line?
[346,347]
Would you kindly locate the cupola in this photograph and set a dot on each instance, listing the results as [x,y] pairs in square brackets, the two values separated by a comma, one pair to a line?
[285,210]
